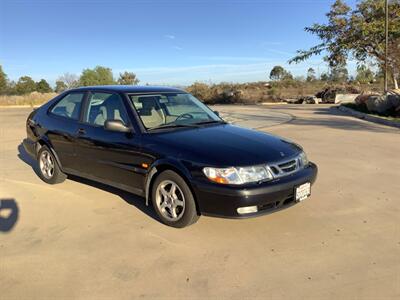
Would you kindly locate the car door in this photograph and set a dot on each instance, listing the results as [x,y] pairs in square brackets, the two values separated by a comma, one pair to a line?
[62,126]
[109,156]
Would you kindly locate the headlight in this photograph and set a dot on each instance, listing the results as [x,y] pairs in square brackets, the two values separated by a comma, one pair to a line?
[303,159]
[238,175]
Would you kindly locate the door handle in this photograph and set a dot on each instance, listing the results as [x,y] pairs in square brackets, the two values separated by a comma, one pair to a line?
[81,131]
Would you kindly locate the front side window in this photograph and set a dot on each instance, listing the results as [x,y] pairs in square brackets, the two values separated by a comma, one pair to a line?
[104,107]
[69,106]
[158,110]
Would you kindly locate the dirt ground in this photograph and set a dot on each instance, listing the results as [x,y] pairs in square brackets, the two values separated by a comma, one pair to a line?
[80,240]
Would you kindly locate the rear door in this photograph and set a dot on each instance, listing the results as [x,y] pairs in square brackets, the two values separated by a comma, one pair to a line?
[62,126]
[109,156]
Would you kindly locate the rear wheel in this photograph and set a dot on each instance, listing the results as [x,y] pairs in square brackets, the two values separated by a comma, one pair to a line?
[173,200]
[48,170]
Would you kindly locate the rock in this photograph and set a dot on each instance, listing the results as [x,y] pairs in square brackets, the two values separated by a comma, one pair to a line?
[361,99]
[394,100]
[291,100]
[379,104]
[345,98]
[311,100]
[307,100]
[396,92]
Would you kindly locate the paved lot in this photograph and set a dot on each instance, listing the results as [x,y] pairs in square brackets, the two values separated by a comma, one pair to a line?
[78,240]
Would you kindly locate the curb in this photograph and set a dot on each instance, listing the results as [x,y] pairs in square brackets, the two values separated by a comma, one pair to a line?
[367,117]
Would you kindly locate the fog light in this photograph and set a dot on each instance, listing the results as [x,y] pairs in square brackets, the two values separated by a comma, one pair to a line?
[247,210]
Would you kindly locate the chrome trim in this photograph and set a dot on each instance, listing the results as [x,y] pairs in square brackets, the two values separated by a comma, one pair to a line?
[278,169]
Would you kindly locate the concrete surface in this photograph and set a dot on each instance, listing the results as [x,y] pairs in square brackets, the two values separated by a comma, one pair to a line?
[79,240]
[249,116]
[345,98]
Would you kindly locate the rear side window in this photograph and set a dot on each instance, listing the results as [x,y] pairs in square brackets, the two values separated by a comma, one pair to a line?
[103,107]
[69,106]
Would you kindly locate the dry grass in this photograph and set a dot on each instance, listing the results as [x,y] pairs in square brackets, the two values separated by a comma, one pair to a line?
[255,92]
[252,92]
[32,99]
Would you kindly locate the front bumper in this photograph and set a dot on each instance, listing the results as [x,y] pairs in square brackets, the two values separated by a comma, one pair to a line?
[223,201]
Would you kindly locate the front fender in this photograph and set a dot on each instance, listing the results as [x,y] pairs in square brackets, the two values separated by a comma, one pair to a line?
[164,164]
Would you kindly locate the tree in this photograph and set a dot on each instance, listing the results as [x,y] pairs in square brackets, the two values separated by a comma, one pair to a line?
[70,80]
[60,86]
[394,60]
[97,76]
[379,75]
[25,85]
[364,74]
[324,77]
[277,73]
[43,87]
[128,78]
[11,87]
[3,81]
[359,33]
[287,76]
[311,75]
[339,73]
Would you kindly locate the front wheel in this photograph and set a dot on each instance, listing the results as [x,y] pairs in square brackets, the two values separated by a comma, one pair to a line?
[173,200]
[48,170]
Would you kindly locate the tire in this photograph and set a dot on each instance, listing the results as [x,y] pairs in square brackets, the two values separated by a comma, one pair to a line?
[47,161]
[175,207]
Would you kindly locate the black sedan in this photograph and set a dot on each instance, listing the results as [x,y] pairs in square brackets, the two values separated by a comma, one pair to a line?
[168,147]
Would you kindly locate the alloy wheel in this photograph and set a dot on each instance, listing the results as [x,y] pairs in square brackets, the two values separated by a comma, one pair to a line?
[170,200]
[46,164]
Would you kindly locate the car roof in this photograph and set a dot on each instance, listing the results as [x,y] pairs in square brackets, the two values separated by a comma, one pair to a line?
[130,89]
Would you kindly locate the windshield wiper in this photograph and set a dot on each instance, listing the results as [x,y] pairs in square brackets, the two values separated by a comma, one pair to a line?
[172,126]
[192,125]
[210,122]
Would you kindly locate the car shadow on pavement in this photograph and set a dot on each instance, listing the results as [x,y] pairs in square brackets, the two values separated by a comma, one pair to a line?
[134,200]
[9,213]
[331,117]
[26,158]
[348,122]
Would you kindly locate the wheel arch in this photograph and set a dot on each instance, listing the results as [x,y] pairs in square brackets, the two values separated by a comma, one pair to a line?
[163,165]
[44,142]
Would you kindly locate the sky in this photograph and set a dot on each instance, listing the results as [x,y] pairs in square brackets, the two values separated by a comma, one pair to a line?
[173,42]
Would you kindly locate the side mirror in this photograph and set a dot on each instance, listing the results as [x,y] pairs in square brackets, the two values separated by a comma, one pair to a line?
[216,112]
[116,125]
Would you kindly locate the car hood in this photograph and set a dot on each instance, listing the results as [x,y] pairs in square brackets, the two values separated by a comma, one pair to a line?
[224,145]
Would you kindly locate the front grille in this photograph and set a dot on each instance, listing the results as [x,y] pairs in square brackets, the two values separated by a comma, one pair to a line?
[274,170]
[285,167]
[288,166]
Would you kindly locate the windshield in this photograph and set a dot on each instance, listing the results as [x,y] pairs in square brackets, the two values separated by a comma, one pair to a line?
[172,110]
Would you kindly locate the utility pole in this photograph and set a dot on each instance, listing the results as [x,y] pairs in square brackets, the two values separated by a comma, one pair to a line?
[386,44]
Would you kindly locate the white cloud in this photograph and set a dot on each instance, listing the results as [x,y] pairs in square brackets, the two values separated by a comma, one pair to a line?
[271,43]
[280,52]
[210,72]
[233,58]
[169,36]
[235,72]
[177,48]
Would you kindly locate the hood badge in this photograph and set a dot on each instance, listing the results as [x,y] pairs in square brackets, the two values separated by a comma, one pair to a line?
[282,154]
